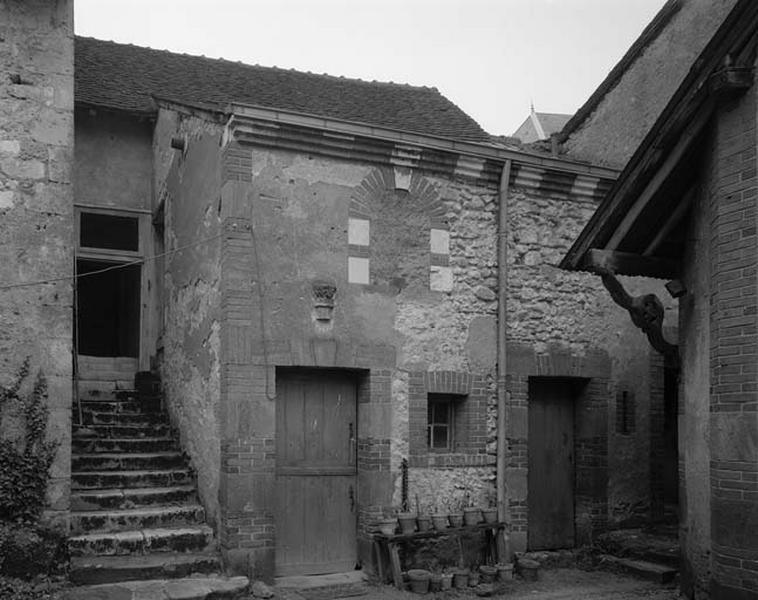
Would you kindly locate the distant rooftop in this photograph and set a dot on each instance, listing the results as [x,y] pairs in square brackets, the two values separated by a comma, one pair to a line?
[126,77]
[540,126]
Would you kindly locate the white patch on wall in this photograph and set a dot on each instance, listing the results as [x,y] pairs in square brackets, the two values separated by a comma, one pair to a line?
[441,279]
[358,232]
[403,178]
[357,270]
[440,241]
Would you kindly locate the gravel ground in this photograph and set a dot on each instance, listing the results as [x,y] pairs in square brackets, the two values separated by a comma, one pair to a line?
[555,584]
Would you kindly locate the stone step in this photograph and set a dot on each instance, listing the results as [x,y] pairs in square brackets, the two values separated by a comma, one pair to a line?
[195,538]
[122,498]
[144,517]
[191,588]
[112,405]
[109,418]
[325,587]
[642,568]
[100,386]
[90,570]
[139,445]
[125,363]
[121,431]
[131,479]
[127,462]
[663,556]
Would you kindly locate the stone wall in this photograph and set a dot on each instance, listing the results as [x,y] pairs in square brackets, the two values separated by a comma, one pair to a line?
[191,368]
[36,196]
[566,325]
[412,259]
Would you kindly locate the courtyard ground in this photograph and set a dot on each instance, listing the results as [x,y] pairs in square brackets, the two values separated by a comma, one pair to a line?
[554,584]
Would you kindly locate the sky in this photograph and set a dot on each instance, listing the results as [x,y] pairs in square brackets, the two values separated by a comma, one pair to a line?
[493,58]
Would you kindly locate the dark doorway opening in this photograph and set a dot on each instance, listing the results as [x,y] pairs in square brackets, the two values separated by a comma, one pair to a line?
[108,309]
[670,440]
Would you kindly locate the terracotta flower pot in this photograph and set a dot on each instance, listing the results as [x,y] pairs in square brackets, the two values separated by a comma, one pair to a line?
[435,582]
[489,515]
[472,515]
[460,580]
[407,522]
[439,522]
[488,573]
[528,569]
[419,580]
[387,526]
[447,581]
[456,519]
[505,572]
[424,522]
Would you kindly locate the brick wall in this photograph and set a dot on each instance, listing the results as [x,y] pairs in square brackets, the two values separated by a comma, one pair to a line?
[590,375]
[734,342]
[36,209]
[469,423]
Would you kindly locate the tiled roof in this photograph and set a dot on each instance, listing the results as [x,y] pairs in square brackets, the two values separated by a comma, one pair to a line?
[124,77]
[552,122]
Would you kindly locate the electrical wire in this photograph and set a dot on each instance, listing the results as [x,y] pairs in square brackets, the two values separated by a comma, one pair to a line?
[138,261]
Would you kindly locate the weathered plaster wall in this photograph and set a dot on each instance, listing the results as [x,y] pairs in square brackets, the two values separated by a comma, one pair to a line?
[192,311]
[612,133]
[113,160]
[36,196]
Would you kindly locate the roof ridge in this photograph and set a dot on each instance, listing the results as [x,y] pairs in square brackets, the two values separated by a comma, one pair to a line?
[259,66]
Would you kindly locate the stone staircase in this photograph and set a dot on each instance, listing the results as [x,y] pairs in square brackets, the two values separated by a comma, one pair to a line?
[135,511]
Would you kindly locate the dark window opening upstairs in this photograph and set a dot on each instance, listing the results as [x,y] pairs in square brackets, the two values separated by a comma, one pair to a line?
[109,232]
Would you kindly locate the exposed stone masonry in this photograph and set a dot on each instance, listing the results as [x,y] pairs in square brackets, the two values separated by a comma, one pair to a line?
[36,209]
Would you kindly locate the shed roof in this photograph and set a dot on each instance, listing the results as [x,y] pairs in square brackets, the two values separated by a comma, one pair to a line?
[127,77]
[638,228]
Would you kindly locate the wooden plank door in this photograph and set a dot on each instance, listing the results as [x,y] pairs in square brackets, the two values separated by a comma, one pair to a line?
[315,473]
[551,465]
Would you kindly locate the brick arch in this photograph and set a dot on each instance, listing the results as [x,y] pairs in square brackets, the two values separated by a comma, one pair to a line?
[396,206]
[377,183]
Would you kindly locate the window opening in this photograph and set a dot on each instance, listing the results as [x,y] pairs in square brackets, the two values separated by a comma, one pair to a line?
[110,232]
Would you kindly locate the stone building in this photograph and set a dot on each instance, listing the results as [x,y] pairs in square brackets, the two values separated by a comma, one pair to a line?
[312,265]
[684,210]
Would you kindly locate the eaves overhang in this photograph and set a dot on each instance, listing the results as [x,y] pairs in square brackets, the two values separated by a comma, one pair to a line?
[651,197]
[352,140]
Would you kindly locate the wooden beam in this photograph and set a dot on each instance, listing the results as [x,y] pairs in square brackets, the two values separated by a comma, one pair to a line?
[673,220]
[625,263]
[661,175]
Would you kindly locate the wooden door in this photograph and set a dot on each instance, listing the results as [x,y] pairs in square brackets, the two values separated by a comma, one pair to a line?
[551,465]
[315,472]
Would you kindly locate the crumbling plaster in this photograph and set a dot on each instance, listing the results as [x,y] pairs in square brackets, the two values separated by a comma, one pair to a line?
[191,366]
